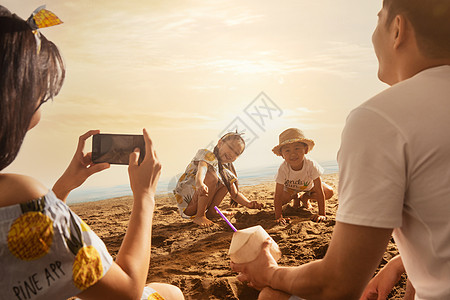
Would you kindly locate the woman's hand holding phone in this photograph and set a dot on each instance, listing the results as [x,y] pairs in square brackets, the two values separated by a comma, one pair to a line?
[79,169]
[144,177]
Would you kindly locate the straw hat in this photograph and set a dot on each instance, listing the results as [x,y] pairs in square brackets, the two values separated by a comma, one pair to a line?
[292,135]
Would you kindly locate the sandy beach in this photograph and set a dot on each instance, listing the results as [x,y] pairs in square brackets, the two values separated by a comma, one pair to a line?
[195,259]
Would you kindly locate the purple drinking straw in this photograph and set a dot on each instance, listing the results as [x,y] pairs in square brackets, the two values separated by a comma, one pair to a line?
[226,220]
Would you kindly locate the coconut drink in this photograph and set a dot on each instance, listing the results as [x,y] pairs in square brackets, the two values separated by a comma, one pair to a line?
[246,245]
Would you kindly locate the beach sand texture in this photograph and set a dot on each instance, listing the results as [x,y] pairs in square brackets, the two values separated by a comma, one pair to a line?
[195,259]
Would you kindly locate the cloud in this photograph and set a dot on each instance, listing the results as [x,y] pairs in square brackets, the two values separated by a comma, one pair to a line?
[206,38]
[117,119]
[339,58]
[242,19]
[305,111]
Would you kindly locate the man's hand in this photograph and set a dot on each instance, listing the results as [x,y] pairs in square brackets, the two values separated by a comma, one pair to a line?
[258,272]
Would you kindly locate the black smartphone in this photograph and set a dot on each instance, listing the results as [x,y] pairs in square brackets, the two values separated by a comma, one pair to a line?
[116,148]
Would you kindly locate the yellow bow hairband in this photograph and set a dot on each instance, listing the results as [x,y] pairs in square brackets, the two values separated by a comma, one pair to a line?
[41,18]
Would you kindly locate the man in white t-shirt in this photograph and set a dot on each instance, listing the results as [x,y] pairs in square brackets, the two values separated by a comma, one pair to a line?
[394,166]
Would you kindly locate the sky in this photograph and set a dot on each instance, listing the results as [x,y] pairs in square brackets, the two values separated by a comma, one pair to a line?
[190,70]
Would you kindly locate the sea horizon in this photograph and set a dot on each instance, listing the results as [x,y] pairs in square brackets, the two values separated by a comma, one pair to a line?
[165,186]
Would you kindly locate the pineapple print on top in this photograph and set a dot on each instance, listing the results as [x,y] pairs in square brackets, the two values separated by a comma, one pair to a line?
[87,267]
[54,258]
[150,294]
[155,296]
[31,235]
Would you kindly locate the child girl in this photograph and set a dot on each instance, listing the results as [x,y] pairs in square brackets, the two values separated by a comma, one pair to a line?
[208,178]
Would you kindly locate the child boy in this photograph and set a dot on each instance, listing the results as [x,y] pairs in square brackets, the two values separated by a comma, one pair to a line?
[298,177]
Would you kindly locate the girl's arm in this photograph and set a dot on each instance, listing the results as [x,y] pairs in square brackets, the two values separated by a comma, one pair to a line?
[127,276]
[202,190]
[200,185]
[242,200]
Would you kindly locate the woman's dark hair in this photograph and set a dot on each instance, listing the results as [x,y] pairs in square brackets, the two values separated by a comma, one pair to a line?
[231,136]
[28,74]
[430,20]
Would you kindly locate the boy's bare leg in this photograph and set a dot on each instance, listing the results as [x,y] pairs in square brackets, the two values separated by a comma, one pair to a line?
[296,198]
[305,200]
[327,191]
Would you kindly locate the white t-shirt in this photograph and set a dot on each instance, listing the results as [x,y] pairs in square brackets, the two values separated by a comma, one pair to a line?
[299,181]
[394,164]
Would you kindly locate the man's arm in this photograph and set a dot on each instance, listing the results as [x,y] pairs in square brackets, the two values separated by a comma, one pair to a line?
[351,259]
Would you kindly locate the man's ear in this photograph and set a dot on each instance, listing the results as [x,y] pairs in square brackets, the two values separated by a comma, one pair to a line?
[399,30]
[306,149]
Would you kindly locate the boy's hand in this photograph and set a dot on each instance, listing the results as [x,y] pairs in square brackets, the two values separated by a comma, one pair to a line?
[319,218]
[283,221]
[255,204]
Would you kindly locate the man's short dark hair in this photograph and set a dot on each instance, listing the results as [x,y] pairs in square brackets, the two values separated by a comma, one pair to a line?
[430,20]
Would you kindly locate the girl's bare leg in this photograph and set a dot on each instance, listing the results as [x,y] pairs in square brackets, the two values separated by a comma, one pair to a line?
[200,203]
[218,197]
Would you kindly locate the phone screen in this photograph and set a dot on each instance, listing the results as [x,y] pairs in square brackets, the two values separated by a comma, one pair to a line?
[116,148]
